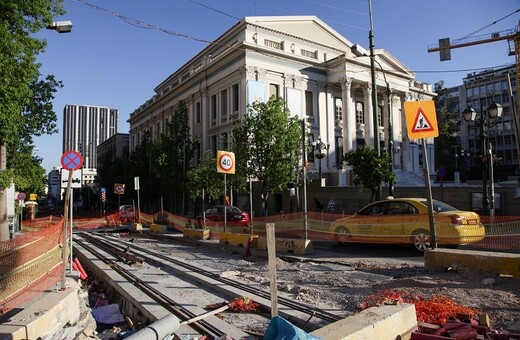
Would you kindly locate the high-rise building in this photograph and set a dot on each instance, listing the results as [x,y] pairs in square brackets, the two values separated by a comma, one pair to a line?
[87,126]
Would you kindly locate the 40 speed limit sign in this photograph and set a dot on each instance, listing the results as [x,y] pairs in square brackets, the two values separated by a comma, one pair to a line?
[226,162]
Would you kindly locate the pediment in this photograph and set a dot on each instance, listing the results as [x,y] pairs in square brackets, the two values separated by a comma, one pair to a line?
[309,28]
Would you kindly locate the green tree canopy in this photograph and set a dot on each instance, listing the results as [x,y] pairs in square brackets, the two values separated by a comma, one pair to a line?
[369,169]
[23,99]
[267,145]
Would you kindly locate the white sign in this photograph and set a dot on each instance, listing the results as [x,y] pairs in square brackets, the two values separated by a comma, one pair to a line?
[136,183]
[76,178]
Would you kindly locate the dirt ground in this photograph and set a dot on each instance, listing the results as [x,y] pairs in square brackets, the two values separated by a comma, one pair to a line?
[345,284]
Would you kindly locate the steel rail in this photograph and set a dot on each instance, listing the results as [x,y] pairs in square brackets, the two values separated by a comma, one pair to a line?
[306,309]
[202,326]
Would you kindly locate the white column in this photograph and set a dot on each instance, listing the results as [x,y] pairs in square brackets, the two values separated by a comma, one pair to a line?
[405,146]
[348,115]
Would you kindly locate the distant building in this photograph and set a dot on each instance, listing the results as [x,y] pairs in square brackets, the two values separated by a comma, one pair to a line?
[84,128]
[117,146]
[54,184]
[324,78]
[479,91]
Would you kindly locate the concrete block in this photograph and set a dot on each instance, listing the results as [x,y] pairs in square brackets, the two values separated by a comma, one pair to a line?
[197,234]
[46,317]
[383,323]
[136,226]
[238,240]
[288,245]
[158,228]
[477,261]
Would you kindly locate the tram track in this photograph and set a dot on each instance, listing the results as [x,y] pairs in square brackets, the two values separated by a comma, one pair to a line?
[296,312]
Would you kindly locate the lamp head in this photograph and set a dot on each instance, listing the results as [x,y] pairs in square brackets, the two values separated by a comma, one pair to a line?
[495,110]
[469,114]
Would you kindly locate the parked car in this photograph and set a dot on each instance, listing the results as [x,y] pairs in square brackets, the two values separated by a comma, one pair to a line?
[406,221]
[127,214]
[234,216]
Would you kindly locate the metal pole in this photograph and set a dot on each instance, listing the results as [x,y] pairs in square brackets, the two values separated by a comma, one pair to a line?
[225,203]
[71,224]
[485,198]
[374,84]
[391,184]
[492,180]
[251,204]
[433,236]
[64,230]
[304,161]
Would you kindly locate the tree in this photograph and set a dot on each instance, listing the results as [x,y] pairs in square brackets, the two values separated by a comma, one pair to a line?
[18,75]
[174,152]
[369,169]
[267,145]
[204,177]
[447,122]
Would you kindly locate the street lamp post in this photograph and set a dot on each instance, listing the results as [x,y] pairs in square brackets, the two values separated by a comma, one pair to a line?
[482,123]
[319,148]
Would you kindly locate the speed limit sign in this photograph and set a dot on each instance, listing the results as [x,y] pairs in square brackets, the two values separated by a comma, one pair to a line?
[225,162]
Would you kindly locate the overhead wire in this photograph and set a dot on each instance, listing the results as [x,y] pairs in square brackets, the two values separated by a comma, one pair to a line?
[141,24]
[491,24]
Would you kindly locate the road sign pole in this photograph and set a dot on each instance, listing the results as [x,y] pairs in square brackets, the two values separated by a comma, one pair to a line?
[71,225]
[433,237]
[64,228]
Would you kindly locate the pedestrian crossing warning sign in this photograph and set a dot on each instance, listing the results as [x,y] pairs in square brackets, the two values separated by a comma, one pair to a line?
[421,119]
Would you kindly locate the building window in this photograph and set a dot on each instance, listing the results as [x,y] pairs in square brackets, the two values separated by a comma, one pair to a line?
[213,145]
[338,107]
[380,115]
[213,107]
[339,152]
[274,90]
[360,113]
[224,106]
[197,113]
[236,98]
[225,141]
[309,104]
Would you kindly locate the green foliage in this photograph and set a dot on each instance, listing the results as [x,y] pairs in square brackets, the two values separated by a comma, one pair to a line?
[369,169]
[448,125]
[267,145]
[204,177]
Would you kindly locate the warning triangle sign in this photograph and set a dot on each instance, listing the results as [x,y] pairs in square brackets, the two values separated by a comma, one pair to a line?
[421,122]
[421,119]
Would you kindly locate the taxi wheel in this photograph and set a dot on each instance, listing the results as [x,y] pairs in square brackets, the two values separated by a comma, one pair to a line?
[421,239]
[342,235]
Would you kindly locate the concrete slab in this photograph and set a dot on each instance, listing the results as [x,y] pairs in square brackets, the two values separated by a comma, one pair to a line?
[382,323]
[288,245]
[46,316]
[493,263]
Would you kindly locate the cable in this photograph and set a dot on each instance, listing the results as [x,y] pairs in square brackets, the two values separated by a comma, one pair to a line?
[464,70]
[494,22]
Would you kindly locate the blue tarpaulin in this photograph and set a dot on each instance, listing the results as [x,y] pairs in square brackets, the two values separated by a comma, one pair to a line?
[281,329]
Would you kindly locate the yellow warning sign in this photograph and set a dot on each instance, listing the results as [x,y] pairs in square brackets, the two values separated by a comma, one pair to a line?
[421,119]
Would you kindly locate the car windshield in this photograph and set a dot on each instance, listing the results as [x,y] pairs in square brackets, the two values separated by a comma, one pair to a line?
[439,206]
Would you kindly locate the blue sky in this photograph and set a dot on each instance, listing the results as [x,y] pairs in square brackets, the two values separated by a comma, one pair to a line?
[111,62]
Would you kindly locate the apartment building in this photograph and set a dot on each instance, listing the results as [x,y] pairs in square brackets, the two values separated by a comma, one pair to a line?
[323,77]
[479,91]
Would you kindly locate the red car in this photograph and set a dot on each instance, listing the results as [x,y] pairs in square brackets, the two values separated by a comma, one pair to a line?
[234,216]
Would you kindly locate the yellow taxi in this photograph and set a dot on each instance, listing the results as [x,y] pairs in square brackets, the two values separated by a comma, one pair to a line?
[406,221]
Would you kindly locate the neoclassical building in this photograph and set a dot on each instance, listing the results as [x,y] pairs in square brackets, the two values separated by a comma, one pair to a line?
[323,77]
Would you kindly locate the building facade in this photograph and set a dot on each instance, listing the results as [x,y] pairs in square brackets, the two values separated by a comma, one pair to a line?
[84,128]
[479,91]
[324,78]
[114,147]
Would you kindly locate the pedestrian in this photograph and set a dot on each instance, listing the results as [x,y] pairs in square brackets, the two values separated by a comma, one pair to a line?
[331,206]
[319,206]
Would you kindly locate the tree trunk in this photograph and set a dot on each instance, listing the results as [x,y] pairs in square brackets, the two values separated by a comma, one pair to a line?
[4,225]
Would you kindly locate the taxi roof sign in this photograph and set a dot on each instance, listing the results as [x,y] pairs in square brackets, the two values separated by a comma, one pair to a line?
[421,119]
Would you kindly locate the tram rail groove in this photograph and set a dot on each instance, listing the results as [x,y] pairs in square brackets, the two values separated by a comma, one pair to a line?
[184,315]
[293,311]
